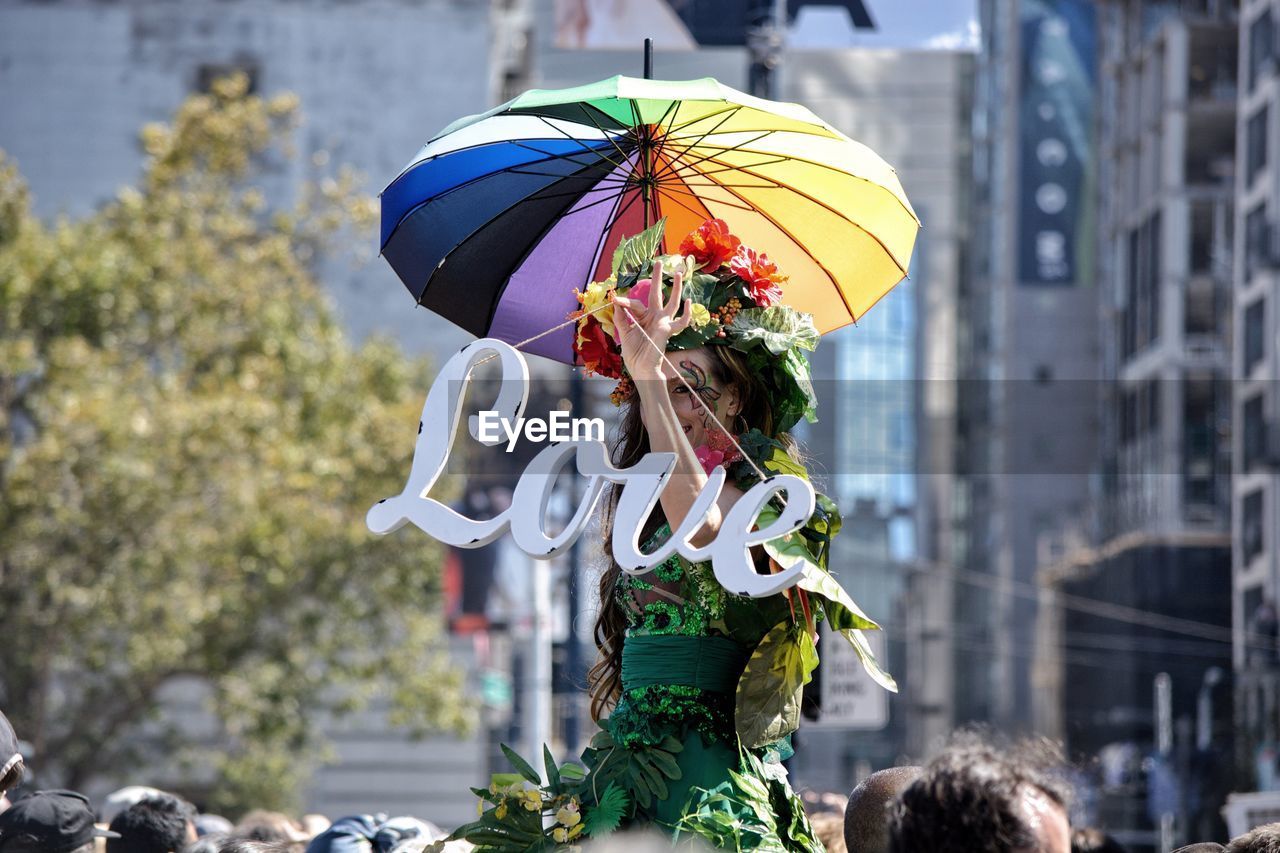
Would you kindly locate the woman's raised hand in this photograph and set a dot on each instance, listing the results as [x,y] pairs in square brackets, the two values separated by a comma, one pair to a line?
[643,330]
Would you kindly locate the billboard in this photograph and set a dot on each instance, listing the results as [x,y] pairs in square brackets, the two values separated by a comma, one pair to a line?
[1055,138]
[674,24]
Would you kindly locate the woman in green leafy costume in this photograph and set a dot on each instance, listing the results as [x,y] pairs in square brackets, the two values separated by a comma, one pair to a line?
[702,686]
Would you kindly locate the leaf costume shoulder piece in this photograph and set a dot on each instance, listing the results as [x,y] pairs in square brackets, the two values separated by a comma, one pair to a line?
[711,681]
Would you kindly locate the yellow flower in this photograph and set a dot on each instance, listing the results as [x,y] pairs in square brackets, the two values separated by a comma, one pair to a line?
[569,815]
[532,800]
[560,835]
[699,316]
[599,293]
[576,831]
[501,811]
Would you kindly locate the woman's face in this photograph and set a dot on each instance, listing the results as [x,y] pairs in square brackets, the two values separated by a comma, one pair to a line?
[698,368]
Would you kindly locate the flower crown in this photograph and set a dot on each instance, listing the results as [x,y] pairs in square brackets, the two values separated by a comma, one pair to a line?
[735,298]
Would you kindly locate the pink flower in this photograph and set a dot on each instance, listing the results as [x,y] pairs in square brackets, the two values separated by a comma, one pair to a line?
[709,459]
[640,291]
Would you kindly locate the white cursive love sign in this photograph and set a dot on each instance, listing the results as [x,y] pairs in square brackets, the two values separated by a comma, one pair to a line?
[642,485]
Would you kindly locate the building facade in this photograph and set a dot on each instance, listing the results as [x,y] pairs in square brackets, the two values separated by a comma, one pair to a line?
[1135,587]
[1256,395]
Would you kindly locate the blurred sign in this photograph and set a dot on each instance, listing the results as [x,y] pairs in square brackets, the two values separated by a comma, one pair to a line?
[674,24]
[850,699]
[1059,56]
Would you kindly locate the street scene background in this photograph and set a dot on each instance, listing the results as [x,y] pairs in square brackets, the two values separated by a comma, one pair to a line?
[1055,444]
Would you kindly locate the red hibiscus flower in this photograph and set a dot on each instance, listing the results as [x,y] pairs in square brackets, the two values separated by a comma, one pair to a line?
[711,245]
[597,351]
[761,275]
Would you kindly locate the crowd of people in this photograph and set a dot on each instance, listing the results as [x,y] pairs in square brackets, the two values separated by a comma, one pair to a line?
[974,797]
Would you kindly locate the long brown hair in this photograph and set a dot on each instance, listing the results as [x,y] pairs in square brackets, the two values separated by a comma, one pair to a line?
[604,680]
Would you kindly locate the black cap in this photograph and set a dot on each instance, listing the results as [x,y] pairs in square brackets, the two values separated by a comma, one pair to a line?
[49,822]
[10,755]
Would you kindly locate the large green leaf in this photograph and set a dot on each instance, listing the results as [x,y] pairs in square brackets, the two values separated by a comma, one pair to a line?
[777,328]
[522,767]
[767,701]
[860,645]
[634,252]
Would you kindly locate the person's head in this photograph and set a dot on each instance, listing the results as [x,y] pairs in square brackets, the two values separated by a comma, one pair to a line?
[1261,839]
[866,817]
[10,757]
[156,824]
[975,798]
[261,825]
[49,822]
[1091,840]
[233,844]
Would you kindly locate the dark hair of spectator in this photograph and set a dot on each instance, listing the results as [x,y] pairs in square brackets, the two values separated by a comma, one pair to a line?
[969,799]
[156,824]
[1094,841]
[1261,839]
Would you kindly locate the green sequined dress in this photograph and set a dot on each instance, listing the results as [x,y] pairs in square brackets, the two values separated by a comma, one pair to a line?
[686,645]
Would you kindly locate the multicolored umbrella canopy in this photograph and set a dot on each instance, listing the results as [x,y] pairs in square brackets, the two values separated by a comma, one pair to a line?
[503,216]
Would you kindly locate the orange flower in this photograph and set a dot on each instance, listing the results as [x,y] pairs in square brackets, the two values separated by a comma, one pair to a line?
[597,351]
[711,245]
[761,275]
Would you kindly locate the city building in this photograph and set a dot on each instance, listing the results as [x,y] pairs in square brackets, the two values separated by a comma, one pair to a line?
[1025,355]
[376,79]
[1255,489]
[1134,588]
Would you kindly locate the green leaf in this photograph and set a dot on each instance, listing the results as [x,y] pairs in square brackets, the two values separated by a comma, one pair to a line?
[606,815]
[553,773]
[868,659]
[573,772]
[777,328]
[841,610]
[767,701]
[522,767]
[634,252]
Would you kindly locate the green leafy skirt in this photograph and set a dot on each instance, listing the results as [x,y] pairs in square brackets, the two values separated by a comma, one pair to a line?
[667,757]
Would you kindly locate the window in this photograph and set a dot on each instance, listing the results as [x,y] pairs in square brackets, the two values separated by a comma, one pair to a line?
[1141,315]
[1256,144]
[1261,48]
[1254,436]
[1251,527]
[1255,339]
[1255,240]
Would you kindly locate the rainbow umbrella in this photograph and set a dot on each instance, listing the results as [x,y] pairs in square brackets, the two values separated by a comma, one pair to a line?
[503,216]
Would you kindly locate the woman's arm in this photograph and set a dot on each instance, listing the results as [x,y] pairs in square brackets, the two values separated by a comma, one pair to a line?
[643,344]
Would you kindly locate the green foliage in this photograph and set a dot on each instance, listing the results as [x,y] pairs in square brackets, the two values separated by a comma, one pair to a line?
[517,815]
[767,701]
[188,447]
[606,816]
[635,253]
[641,771]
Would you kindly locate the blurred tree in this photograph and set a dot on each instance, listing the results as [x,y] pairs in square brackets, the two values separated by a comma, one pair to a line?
[188,446]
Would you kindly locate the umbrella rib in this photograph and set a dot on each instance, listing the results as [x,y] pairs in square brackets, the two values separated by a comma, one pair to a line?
[586,147]
[837,213]
[701,214]
[782,158]
[835,284]
[625,156]
[728,114]
[734,205]
[707,157]
[574,154]
[667,137]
